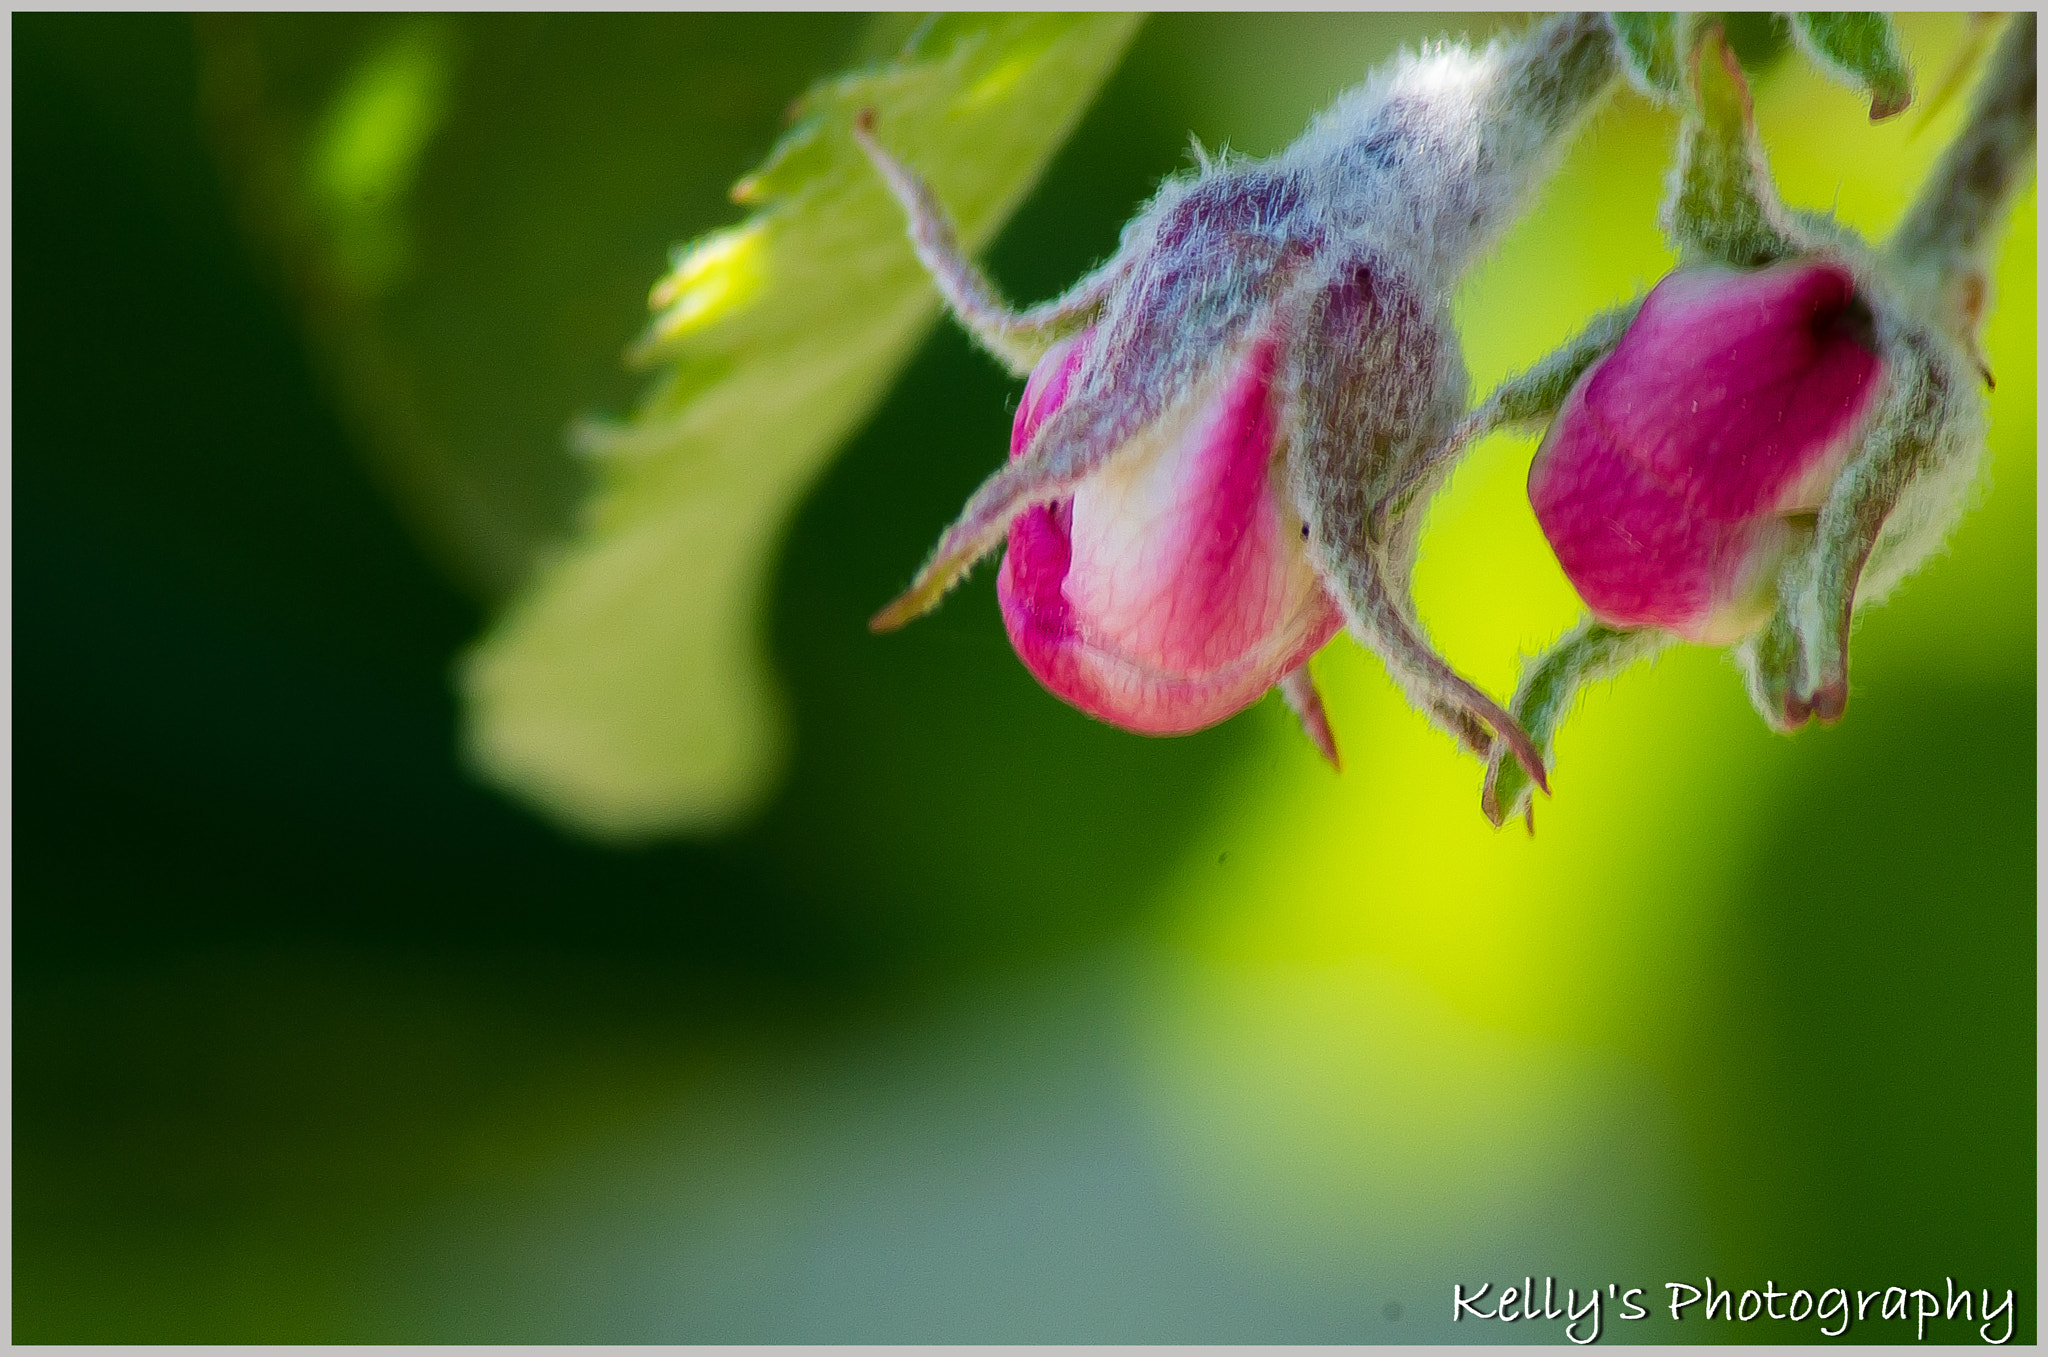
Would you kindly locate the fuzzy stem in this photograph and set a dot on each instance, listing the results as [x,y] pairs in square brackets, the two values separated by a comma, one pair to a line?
[1547,82]
[1950,224]
[1447,148]
[1550,685]
[1018,339]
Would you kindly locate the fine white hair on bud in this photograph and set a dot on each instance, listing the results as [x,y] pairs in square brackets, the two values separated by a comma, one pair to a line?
[1277,332]
[1438,152]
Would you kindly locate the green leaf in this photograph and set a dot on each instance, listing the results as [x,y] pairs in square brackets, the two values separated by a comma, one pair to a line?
[1860,49]
[1652,51]
[626,690]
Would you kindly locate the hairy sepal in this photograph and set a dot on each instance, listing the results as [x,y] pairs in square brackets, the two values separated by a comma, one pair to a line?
[1860,48]
[1653,50]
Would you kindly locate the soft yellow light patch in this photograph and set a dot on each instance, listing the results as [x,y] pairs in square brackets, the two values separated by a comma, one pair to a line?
[366,153]
[720,274]
[371,140]
[998,82]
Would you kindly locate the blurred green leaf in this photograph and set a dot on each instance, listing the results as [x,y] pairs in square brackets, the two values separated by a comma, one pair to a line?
[626,690]
[365,154]
[466,210]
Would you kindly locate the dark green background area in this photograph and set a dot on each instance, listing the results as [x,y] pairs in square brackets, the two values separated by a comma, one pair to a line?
[317,1039]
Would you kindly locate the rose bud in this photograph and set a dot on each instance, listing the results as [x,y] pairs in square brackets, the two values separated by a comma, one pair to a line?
[1688,462]
[1233,425]
[1170,590]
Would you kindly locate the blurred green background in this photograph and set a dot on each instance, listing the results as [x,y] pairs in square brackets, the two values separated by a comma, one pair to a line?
[998,1025]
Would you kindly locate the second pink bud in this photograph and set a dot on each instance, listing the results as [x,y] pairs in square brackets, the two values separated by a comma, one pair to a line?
[1685,464]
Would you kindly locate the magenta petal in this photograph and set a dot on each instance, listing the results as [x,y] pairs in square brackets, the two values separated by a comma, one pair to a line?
[1046,390]
[1730,386]
[1664,483]
[1633,549]
[1171,591]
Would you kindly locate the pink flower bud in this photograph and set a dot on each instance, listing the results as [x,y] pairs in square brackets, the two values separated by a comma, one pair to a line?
[1233,424]
[1171,589]
[1686,464]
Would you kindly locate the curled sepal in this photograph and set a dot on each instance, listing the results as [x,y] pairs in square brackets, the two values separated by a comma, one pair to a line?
[1202,464]
[1723,208]
[1861,50]
[1885,511]
[1894,499]
[1373,373]
[1653,51]
[1550,684]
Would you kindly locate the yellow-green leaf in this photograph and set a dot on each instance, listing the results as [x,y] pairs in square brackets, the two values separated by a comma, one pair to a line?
[626,691]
